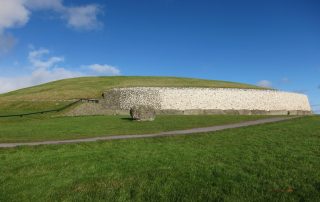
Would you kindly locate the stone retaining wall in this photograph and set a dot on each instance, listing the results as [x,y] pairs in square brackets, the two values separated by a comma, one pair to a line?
[182,99]
[195,101]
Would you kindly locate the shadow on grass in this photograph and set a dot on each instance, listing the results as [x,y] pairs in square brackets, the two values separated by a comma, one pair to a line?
[127,119]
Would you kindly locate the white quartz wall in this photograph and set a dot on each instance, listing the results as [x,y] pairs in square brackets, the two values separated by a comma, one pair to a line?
[212,98]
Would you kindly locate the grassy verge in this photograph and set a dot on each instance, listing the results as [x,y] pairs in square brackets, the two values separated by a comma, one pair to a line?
[21,107]
[272,162]
[36,128]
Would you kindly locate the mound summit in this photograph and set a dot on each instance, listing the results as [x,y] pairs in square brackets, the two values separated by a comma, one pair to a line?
[92,87]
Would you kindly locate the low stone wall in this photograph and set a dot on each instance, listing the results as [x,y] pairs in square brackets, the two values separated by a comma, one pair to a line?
[183,99]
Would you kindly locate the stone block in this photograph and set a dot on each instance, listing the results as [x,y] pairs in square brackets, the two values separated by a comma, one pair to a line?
[143,113]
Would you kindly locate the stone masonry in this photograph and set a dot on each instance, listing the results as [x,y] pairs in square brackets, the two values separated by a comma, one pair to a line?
[194,101]
[164,98]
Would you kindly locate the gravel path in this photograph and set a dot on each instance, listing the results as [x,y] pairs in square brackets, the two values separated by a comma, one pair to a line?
[161,134]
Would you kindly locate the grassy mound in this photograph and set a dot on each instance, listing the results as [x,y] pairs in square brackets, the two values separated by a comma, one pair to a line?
[59,93]
[92,87]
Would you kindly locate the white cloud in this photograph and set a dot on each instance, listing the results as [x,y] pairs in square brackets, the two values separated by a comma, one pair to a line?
[78,17]
[44,4]
[83,17]
[265,83]
[16,13]
[36,59]
[104,69]
[37,77]
[45,75]
[12,14]
[45,69]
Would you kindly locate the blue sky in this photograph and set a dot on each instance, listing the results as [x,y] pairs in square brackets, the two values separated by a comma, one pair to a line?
[271,43]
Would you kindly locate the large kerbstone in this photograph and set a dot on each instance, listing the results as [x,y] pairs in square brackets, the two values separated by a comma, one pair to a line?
[142,113]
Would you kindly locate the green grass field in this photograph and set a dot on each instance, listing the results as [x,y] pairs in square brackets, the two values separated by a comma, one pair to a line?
[271,162]
[36,128]
[20,107]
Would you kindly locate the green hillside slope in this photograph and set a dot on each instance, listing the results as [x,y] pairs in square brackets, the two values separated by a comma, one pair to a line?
[92,87]
[58,93]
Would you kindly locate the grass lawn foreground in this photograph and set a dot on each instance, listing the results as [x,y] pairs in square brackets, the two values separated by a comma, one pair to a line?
[271,162]
[40,128]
